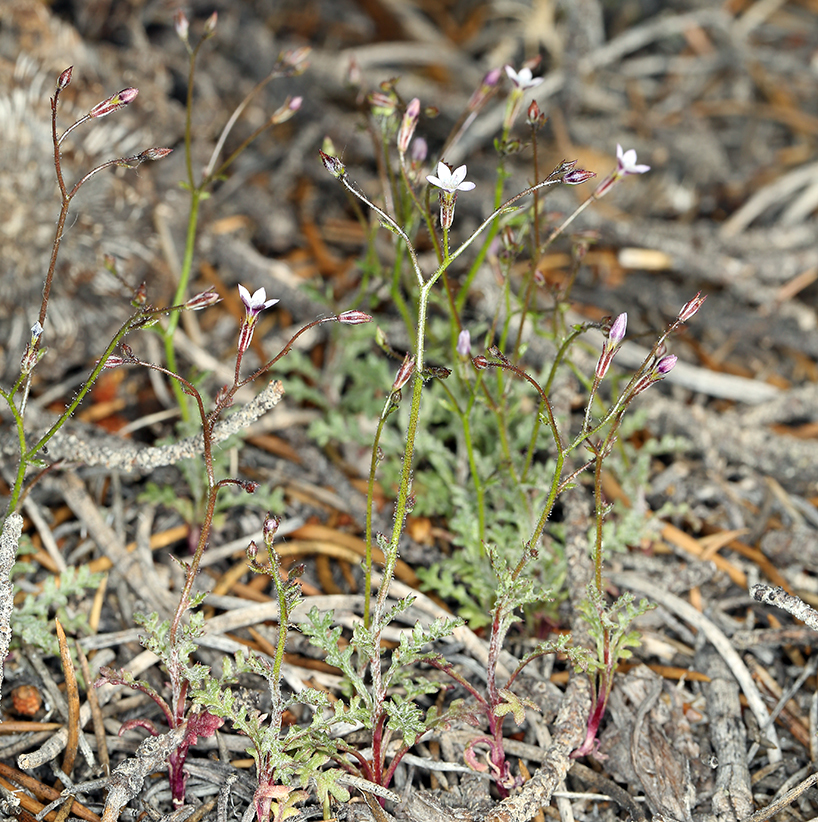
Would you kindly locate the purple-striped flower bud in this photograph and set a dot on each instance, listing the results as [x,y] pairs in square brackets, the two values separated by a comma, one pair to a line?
[65,78]
[354,317]
[154,154]
[251,551]
[333,165]
[114,362]
[117,101]
[665,365]
[408,125]
[404,372]
[480,362]
[577,176]
[203,300]
[662,367]
[690,308]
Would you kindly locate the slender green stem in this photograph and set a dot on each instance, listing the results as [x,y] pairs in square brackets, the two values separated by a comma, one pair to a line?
[283,625]
[181,291]
[561,352]
[389,406]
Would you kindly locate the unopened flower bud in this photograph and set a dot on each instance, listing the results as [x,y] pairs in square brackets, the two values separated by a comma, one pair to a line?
[690,308]
[286,111]
[577,176]
[251,551]
[615,336]
[480,362]
[182,26]
[270,527]
[154,154]
[333,165]
[140,295]
[404,372]
[665,365]
[117,101]
[419,150]
[31,355]
[203,300]
[114,362]
[408,125]
[210,24]
[294,60]
[486,89]
[618,329]
[662,367]
[65,78]
[464,343]
[440,372]
[534,115]
[354,317]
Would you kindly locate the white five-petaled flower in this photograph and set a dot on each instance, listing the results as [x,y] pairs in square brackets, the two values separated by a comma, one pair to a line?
[626,162]
[451,181]
[523,78]
[256,303]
